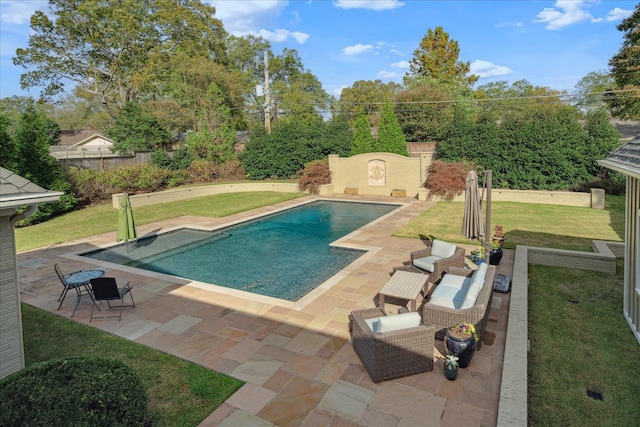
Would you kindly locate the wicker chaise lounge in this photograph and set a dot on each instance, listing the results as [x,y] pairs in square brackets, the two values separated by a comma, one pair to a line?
[429,259]
[392,354]
[445,317]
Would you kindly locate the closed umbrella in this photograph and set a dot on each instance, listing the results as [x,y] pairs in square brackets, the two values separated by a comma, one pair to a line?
[126,224]
[472,225]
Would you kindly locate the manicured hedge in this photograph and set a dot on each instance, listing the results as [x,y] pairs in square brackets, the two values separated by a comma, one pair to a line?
[82,391]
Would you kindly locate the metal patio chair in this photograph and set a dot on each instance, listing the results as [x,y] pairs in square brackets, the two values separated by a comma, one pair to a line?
[106,289]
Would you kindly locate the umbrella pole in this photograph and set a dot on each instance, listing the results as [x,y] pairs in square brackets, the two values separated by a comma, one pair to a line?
[487,228]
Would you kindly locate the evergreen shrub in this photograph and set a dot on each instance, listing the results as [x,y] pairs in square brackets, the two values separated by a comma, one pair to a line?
[82,391]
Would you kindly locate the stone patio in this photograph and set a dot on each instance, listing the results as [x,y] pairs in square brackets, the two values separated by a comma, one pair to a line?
[296,359]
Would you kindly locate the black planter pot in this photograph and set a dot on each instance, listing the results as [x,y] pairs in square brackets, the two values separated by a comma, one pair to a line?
[463,348]
[495,255]
[451,374]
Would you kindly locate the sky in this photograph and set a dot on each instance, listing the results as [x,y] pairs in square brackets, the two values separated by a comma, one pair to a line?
[548,43]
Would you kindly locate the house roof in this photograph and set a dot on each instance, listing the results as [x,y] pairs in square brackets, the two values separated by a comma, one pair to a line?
[72,137]
[16,191]
[625,159]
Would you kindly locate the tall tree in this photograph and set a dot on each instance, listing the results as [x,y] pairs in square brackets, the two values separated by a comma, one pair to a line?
[215,137]
[437,58]
[362,138]
[7,146]
[135,130]
[390,136]
[424,113]
[368,97]
[115,49]
[625,68]
[591,89]
[34,134]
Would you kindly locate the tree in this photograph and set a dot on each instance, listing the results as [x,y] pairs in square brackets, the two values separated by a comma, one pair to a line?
[33,136]
[215,136]
[367,97]
[591,90]
[134,130]
[7,146]
[291,144]
[337,136]
[362,138]
[116,49]
[602,138]
[625,68]
[424,113]
[390,136]
[437,58]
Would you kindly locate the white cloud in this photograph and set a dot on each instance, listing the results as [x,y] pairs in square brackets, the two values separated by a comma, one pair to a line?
[281,35]
[376,5]
[246,16]
[19,12]
[357,49]
[338,91]
[564,13]
[389,75]
[617,14]
[488,69]
[397,52]
[400,64]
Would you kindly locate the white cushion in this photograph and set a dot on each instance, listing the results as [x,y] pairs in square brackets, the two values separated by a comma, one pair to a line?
[442,249]
[480,272]
[372,322]
[453,281]
[426,263]
[448,296]
[398,321]
[472,295]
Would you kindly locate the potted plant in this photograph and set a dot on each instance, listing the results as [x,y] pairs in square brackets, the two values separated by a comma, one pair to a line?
[498,235]
[477,255]
[495,253]
[451,366]
[460,340]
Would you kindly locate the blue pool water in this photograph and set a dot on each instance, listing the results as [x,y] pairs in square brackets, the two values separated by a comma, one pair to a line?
[283,255]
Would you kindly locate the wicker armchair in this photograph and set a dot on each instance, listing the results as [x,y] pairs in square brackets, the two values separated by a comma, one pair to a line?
[445,317]
[456,260]
[391,354]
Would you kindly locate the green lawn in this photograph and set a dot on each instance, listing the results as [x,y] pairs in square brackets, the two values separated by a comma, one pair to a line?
[541,225]
[571,350]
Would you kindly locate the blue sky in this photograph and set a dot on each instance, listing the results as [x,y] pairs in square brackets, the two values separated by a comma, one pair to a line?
[548,43]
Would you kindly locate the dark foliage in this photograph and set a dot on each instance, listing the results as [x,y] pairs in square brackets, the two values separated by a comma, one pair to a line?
[445,180]
[134,130]
[315,174]
[83,391]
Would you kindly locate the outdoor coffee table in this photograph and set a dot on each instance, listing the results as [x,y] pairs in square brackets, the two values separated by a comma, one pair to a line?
[404,285]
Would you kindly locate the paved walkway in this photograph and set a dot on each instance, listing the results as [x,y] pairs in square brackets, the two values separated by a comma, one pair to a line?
[296,359]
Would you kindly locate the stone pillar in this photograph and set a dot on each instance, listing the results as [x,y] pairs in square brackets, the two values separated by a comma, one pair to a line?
[597,198]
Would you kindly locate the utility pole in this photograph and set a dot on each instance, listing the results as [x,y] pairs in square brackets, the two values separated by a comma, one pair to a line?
[267,101]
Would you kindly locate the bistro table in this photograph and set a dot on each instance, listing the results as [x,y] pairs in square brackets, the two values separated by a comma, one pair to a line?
[80,280]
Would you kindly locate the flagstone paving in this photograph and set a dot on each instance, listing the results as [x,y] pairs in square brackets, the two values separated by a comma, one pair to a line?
[296,359]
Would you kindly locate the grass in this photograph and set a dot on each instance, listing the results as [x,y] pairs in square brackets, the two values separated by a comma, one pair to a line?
[550,226]
[580,342]
[179,393]
[103,218]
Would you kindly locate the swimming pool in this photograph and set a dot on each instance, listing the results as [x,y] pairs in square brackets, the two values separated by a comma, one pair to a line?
[283,255]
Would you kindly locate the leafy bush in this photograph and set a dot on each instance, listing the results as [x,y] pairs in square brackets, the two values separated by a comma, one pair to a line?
[82,391]
[313,176]
[207,171]
[613,183]
[445,180]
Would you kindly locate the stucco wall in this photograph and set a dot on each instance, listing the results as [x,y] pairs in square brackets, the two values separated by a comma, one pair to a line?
[594,199]
[11,348]
[379,173]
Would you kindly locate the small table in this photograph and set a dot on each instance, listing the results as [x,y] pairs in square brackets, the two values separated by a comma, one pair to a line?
[82,279]
[404,285]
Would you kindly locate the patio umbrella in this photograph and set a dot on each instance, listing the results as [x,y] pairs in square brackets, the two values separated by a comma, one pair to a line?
[126,224]
[472,225]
